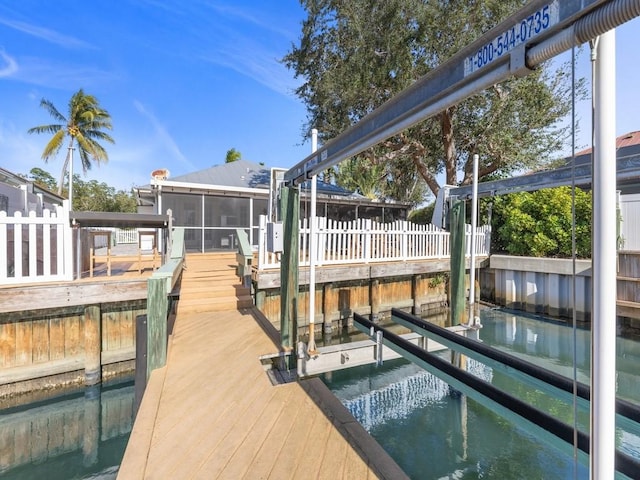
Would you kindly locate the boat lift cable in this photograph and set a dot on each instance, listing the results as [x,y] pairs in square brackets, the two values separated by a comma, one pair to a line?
[574,316]
[483,63]
[475,386]
[469,347]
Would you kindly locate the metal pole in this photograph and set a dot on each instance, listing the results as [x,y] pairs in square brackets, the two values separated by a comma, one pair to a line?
[474,221]
[603,322]
[70,178]
[313,250]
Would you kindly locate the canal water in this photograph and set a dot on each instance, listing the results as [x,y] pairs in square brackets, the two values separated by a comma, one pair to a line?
[436,432]
[79,435]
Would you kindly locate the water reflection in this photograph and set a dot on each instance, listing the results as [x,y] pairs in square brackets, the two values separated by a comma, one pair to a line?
[432,431]
[78,436]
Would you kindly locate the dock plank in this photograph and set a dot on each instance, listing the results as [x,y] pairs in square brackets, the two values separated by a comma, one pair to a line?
[213,413]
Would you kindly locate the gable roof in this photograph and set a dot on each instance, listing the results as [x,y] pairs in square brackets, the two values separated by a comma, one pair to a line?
[246,174]
[240,173]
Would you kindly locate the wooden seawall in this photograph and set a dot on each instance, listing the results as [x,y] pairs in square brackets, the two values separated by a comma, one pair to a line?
[212,411]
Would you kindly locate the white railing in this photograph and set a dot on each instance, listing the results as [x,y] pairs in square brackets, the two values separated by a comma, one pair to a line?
[366,241]
[120,236]
[36,249]
[126,235]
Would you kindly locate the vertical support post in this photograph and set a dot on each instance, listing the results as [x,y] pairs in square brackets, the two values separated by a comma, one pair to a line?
[374,297]
[472,266]
[140,384]
[70,154]
[415,294]
[326,308]
[92,345]
[290,209]
[157,308]
[457,259]
[313,250]
[603,325]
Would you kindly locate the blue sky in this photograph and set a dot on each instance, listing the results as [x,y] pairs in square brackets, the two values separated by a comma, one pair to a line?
[183,81]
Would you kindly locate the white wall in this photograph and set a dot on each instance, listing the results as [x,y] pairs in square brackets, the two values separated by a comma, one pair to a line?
[630,226]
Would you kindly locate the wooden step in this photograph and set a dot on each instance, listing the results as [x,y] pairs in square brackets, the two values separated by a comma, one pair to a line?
[214,304]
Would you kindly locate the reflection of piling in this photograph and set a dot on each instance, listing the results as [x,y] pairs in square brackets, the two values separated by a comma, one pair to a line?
[91,426]
[92,345]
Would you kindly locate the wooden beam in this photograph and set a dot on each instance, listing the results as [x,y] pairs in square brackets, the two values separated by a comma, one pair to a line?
[92,345]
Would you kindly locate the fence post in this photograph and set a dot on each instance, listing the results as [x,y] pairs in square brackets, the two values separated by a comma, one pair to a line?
[67,242]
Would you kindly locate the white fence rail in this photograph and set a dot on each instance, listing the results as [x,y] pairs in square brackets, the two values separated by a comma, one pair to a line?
[36,248]
[121,236]
[366,241]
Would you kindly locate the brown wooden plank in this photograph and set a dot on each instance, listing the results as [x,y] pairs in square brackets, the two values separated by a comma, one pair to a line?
[24,343]
[56,338]
[292,452]
[111,330]
[7,344]
[41,343]
[127,329]
[72,340]
[245,453]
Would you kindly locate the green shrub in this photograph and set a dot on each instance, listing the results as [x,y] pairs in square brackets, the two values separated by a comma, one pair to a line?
[538,224]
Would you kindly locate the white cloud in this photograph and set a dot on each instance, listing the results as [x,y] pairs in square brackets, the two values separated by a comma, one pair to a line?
[164,136]
[44,73]
[8,66]
[45,34]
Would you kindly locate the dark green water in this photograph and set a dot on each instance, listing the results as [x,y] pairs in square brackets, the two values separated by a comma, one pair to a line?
[435,432]
[81,435]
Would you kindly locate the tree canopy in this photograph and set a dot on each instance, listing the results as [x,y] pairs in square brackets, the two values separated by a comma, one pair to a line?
[91,196]
[233,155]
[84,127]
[539,224]
[354,55]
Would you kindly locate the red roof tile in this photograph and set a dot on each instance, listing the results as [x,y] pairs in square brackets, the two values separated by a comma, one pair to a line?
[626,140]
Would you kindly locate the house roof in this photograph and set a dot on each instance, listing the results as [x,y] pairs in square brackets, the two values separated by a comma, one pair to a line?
[627,140]
[240,173]
[246,174]
[9,178]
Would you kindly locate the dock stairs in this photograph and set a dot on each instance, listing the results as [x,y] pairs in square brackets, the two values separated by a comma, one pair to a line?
[210,284]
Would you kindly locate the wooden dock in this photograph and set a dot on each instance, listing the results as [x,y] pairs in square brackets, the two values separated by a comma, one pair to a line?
[212,412]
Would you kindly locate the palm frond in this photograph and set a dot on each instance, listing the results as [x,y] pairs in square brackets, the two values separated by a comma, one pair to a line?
[52,148]
[53,111]
[46,129]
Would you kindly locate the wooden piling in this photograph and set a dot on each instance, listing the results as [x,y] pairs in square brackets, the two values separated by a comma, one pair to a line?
[92,345]
[374,299]
[326,308]
[416,294]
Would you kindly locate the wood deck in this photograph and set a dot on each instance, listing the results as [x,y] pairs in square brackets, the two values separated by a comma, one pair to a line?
[212,412]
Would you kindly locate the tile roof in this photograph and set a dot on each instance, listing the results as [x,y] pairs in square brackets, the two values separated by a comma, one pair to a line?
[627,140]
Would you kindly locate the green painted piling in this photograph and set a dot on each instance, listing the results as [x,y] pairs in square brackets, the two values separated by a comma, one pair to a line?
[457,289]
[290,207]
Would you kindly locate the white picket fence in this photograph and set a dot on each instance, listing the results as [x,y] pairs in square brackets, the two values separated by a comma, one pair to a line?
[121,236]
[36,248]
[366,241]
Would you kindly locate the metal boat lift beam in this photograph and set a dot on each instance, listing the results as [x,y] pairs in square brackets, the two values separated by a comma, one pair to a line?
[508,406]
[569,23]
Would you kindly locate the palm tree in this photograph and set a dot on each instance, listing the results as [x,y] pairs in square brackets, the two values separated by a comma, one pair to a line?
[233,155]
[83,126]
